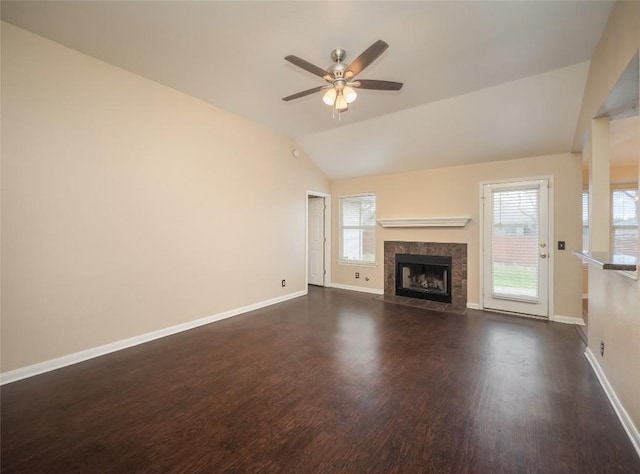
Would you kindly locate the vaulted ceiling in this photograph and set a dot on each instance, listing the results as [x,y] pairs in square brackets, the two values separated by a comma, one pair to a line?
[483,81]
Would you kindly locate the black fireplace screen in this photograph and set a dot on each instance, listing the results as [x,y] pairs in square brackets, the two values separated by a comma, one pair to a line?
[424,276]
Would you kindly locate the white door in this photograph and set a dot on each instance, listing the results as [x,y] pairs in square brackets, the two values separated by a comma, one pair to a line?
[316,241]
[516,247]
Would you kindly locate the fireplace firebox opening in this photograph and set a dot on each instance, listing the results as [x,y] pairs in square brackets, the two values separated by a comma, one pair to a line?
[424,276]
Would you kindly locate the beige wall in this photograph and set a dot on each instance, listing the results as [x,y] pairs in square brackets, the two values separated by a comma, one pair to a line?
[454,192]
[614,300]
[627,174]
[128,207]
[620,41]
[614,318]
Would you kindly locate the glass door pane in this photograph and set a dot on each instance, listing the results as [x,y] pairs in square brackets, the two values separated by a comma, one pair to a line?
[515,243]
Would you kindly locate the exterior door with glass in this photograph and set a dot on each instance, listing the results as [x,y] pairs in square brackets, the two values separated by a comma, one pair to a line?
[516,247]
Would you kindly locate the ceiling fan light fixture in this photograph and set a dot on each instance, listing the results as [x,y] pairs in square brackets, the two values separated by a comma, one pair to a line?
[329,97]
[341,103]
[350,94]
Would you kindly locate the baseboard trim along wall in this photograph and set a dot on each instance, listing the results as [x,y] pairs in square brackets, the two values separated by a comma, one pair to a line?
[623,416]
[558,318]
[64,361]
[362,289]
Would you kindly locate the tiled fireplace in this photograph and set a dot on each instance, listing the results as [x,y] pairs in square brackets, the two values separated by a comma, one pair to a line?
[431,275]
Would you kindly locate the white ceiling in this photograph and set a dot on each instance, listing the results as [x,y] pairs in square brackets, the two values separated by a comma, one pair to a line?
[483,80]
[624,141]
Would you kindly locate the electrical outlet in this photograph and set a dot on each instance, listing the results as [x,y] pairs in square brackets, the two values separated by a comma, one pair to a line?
[602,348]
[357,275]
[284,283]
[561,245]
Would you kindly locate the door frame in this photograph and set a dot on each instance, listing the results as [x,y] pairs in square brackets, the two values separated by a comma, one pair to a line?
[551,245]
[327,237]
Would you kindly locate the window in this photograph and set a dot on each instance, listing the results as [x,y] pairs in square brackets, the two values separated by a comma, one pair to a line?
[358,229]
[585,221]
[624,221]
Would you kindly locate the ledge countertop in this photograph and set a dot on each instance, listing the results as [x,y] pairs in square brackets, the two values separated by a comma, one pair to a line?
[608,261]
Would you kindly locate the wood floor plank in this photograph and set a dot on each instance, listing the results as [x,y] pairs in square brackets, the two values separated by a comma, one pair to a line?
[331,382]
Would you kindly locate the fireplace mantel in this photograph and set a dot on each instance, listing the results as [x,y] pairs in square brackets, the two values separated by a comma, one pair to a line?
[426,222]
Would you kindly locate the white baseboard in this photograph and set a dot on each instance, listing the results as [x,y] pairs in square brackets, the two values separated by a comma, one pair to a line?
[623,416]
[362,289]
[558,318]
[58,363]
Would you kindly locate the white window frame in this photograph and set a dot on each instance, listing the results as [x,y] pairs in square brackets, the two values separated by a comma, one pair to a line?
[585,222]
[613,227]
[341,228]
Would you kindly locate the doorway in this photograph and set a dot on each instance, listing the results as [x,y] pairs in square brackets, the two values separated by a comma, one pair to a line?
[318,242]
[515,250]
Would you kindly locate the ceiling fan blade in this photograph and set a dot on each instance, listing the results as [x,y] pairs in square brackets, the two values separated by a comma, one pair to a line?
[307,92]
[367,57]
[307,66]
[377,85]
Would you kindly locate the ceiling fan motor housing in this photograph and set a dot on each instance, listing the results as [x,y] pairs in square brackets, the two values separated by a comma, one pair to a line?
[337,70]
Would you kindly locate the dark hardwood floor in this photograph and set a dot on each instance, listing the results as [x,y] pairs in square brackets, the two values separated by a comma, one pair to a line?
[330,383]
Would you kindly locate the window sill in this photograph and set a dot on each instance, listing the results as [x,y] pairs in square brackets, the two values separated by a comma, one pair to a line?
[355,263]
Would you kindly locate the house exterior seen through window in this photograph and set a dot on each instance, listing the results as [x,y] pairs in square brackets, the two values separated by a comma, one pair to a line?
[358,229]
[624,221]
[585,221]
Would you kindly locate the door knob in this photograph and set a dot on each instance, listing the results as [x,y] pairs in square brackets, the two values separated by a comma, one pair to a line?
[543,255]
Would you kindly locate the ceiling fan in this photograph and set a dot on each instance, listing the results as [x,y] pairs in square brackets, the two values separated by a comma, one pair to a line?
[340,87]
